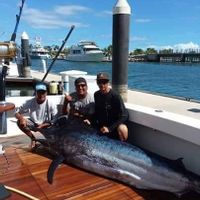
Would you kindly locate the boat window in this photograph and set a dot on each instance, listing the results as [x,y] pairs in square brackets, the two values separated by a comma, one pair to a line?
[76,51]
[91,49]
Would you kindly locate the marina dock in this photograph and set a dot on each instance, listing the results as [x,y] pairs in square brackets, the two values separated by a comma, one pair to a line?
[167,57]
[35,76]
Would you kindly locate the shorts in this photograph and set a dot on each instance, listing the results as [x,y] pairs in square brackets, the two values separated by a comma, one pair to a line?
[113,135]
[31,126]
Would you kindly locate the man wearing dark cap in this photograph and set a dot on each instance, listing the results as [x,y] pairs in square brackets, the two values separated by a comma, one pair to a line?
[79,104]
[110,112]
[40,112]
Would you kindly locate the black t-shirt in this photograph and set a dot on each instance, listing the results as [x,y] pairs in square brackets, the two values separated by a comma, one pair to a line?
[110,110]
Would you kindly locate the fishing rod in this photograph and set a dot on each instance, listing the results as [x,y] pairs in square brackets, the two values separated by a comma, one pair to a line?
[8,49]
[13,37]
[55,58]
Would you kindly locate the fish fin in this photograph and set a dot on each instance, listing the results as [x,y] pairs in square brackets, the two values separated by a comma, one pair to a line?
[54,164]
[179,163]
[179,194]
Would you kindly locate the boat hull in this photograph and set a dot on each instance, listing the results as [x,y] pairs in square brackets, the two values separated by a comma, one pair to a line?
[95,57]
[39,56]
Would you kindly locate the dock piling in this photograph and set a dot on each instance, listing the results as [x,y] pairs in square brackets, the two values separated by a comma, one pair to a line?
[26,69]
[120,43]
[3,114]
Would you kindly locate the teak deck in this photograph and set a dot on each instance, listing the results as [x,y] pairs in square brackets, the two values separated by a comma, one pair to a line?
[27,171]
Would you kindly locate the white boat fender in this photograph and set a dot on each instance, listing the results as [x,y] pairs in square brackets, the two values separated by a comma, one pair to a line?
[2,151]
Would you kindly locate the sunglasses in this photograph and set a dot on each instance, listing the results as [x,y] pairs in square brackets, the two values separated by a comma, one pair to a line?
[41,91]
[102,82]
[80,85]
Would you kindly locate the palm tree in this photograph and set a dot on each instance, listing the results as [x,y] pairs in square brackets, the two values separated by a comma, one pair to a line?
[108,52]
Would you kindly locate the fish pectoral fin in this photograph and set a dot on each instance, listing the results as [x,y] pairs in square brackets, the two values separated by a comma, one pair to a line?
[179,194]
[53,166]
[179,163]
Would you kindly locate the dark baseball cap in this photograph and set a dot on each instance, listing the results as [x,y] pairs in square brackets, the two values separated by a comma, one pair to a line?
[102,76]
[80,80]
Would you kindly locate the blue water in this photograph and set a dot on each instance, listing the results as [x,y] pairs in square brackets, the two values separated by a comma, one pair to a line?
[181,80]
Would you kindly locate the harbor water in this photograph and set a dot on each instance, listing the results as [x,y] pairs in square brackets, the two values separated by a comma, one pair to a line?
[173,79]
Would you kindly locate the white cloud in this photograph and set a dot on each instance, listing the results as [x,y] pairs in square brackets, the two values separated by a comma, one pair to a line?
[177,47]
[143,20]
[189,45]
[104,13]
[160,47]
[53,19]
[108,36]
[107,12]
[71,9]
[136,38]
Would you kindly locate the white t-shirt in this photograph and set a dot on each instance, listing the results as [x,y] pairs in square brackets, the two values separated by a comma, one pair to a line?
[39,113]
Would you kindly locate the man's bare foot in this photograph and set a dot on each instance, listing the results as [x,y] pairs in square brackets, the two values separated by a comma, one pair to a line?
[34,145]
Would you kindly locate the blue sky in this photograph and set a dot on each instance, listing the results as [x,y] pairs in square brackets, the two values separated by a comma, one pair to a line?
[157,23]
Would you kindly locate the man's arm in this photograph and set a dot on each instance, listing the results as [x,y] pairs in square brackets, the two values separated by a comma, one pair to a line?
[123,113]
[67,100]
[22,110]
[21,119]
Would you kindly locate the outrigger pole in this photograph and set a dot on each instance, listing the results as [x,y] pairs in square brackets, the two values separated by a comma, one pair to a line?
[13,37]
[9,54]
[55,58]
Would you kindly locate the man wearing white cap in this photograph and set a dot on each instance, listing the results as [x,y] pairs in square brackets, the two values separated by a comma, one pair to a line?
[40,112]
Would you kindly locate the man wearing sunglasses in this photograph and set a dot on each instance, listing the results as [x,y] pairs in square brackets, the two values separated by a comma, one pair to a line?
[110,112]
[79,104]
[39,110]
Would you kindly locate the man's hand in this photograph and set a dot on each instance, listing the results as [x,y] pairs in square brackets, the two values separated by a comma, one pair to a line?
[104,129]
[44,125]
[87,121]
[68,98]
[23,122]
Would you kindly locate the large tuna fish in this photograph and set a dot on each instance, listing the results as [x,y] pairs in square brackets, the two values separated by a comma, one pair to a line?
[84,147]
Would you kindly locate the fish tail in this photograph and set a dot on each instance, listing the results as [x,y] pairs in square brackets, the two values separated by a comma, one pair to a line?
[53,166]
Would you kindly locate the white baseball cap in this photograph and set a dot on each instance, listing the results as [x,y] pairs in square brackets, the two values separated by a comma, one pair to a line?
[41,86]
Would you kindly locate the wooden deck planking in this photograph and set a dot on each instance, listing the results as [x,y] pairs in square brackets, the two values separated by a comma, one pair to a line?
[18,176]
[27,172]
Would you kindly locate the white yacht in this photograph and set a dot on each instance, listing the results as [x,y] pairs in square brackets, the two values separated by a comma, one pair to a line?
[38,51]
[85,51]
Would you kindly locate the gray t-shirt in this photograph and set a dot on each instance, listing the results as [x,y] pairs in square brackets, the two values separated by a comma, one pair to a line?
[83,106]
[39,113]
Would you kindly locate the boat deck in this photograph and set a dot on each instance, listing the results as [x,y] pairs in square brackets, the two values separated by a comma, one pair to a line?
[26,171]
